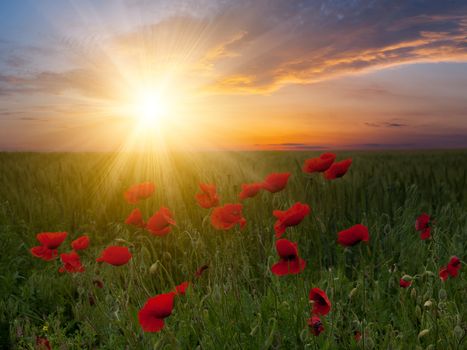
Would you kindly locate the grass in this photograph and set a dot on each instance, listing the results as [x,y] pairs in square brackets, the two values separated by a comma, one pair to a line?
[237,303]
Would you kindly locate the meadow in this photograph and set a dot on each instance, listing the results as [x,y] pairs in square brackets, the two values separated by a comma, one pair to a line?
[237,303]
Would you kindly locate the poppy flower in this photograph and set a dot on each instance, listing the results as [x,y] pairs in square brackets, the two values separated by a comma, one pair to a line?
[454,266]
[357,336]
[250,190]
[276,182]
[338,169]
[181,288]
[226,217]
[422,222]
[315,324]
[151,316]
[42,344]
[443,273]
[71,263]
[404,284]
[290,217]
[451,269]
[49,241]
[80,243]
[135,218]
[289,262]
[353,235]
[139,191]
[200,271]
[208,197]
[319,164]
[115,255]
[44,253]
[321,303]
[425,234]
[160,223]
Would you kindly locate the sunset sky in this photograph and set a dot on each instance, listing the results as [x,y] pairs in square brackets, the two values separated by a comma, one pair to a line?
[74,75]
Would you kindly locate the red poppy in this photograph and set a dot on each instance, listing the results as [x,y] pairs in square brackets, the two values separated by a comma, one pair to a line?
[454,266]
[422,222]
[315,324]
[250,190]
[425,234]
[226,217]
[200,271]
[115,255]
[404,284]
[443,273]
[353,235]
[139,191]
[357,336]
[42,344]
[151,316]
[49,241]
[321,303]
[181,288]
[338,169]
[80,243]
[319,164]
[289,262]
[44,253]
[276,182]
[208,197]
[451,269]
[160,223]
[135,218]
[71,263]
[290,217]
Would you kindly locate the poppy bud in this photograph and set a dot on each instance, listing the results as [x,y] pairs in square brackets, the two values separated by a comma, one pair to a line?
[153,268]
[442,295]
[423,333]
[428,304]
[429,273]
[458,332]
[369,343]
[352,293]
[356,324]
[407,278]
[413,293]
[418,312]
[206,314]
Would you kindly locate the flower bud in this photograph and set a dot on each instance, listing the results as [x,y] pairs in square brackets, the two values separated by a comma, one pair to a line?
[428,304]
[423,333]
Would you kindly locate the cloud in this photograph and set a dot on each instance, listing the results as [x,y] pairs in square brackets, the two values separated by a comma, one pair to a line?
[291,146]
[386,124]
[259,46]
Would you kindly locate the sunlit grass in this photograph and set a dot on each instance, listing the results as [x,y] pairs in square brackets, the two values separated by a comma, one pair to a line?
[237,303]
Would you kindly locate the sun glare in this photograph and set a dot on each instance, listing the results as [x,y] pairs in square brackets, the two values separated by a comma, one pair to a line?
[150,108]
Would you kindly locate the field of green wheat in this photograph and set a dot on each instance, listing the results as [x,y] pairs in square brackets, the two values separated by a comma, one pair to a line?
[237,302]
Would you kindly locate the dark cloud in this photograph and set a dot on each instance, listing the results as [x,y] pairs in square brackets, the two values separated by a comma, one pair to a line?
[386,124]
[292,146]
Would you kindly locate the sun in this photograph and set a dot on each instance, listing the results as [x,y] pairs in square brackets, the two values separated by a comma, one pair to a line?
[150,108]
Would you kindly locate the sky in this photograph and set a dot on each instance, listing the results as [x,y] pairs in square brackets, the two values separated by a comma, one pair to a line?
[107,75]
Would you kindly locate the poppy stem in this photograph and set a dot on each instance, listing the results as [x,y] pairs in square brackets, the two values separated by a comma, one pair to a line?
[364,298]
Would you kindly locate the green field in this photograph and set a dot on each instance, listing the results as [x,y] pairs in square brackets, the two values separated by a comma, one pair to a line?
[237,303]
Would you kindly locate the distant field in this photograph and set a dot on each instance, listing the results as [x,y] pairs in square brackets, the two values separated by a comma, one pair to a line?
[237,302]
